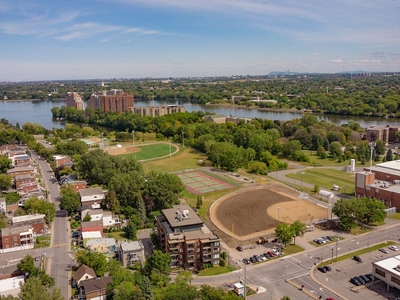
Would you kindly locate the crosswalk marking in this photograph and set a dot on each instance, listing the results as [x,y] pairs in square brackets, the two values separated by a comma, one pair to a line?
[59,245]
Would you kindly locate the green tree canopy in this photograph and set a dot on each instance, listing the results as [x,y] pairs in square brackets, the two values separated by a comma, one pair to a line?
[284,232]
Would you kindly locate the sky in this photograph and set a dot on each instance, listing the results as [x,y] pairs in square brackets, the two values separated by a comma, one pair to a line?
[101,39]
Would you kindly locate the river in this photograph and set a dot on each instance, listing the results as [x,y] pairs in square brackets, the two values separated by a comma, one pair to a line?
[40,112]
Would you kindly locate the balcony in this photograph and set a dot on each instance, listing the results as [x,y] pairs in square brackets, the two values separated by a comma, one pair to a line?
[207,258]
[206,246]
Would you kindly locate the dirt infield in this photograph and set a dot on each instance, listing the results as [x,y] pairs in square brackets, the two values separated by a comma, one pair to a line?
[123,150]
[251,213]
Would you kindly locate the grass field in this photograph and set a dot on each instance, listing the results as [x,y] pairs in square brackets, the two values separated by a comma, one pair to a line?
[324,177]
[151,151]
[184,160]
[331,162]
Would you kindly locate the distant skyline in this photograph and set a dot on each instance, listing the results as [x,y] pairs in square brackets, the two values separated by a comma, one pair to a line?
[63,40]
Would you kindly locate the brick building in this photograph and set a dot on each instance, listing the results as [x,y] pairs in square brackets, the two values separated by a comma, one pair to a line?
[74,100]
[78,185]
[383,183]
[62,160]
[157,111]
[383,133]
[18,238]
[188,240]
[21,180]
[113,100]
[22,171]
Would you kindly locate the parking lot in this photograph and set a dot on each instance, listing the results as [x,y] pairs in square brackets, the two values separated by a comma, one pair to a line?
[342,272]
[256,249]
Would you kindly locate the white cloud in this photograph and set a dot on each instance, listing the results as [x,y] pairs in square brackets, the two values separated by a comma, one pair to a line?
[337,61]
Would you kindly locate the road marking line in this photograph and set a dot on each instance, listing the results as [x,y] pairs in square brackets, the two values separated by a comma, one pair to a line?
[297,276]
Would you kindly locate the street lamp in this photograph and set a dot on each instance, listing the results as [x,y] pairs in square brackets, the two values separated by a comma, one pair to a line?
[286,272]
[183,139]
[371,145]
[278,209]
[169,148]
[332,256]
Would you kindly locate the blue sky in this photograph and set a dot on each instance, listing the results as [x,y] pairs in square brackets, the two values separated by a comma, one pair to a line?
[79,39]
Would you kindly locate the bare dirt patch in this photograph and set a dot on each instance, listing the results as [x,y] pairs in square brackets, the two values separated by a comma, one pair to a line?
[123,150]
[250,213]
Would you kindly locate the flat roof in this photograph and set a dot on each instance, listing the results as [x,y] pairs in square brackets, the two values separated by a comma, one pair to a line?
[91,191]
[176,218]
[390,264]
[131,246]
[91,234]
[393,165]
[102,241]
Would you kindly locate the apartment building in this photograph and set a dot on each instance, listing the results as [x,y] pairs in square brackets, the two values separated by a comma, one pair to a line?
[113,100]
[188,240]
[92,197]
[386,133]
[74,100]
[18,238]
[157,111]
[130,253]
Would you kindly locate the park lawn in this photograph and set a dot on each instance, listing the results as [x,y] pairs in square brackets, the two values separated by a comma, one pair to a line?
[292,249]
[325,177]
[331,162]
[185,159]
[151,151]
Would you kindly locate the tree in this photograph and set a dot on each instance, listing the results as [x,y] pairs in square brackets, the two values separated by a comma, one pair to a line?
[5,182]
[389,155]
[344,210]
[380,147]
[69,199]
[199,201]
[146,288]
[5,164]
[369,210]
[131,230]
[298,229]
[157,267]
[33,289]
[285,298]
[284,232]
[336,149]
[112,202]
[27,265]
[34,205]
[92,259]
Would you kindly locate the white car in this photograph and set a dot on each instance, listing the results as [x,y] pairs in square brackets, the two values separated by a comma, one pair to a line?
[263,257]
[384,250]
[394,248]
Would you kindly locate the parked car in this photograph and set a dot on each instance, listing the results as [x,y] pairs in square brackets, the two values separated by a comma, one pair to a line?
[239,248]
[365,278]
[75,234]
[328,268]
[276,251]
[266,254]
[322,269]
[360,279]
[275,240]
[357,258]
[328,238]
[263,258]
[246,261]
[384,250]
[253,260]
[369,276]
[258,258]
[271,253]
[355,281]
[393,248]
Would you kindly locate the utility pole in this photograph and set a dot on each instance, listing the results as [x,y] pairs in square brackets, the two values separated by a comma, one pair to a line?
[337,241]
[169,142]
[371,145]
[245,279]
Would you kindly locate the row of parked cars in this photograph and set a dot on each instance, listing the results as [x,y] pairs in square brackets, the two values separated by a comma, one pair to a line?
[362,279]
[325,269]
[324,239]
[262,257]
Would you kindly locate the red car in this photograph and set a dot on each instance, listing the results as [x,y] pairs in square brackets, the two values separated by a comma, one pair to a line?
[330,298]
[271,253]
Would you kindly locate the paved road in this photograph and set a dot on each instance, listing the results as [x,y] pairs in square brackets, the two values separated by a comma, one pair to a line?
[271,275]
[59,261]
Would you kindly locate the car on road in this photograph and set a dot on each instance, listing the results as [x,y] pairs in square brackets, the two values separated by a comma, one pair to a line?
[246,261]
[239,248]
[322,269]
[384,250]
[393,248]
[357,258]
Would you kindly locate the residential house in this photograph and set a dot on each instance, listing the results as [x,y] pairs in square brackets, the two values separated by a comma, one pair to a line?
[110,220]
[36,221]
[10,279]
[94,289]
[19,238]
[78,185]
[23,179]
[83,273]
[92,226]
[105,246]
[99,215]
[62,160]
[188,240]
[22,160]
[22,171]
[130,253]
[92,197]
[5,149]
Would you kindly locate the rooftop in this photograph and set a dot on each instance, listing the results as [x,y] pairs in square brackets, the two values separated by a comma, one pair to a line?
[391,264]
[82,270]
[181,215]
[96,284]
[131,246]
[102,241]
[91,235]
[91,191]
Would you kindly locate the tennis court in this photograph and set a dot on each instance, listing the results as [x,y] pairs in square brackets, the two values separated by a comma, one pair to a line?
[200,183]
